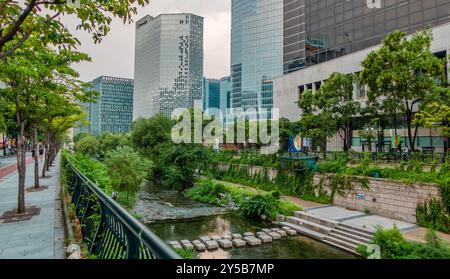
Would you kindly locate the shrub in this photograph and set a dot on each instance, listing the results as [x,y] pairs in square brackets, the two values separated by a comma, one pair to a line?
[87,145]
[261,204]
[208,192]
[394,246]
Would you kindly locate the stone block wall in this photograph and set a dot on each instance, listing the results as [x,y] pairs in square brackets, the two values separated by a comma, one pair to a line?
[385,197]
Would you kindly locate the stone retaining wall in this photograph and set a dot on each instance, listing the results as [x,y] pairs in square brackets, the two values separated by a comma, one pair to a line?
[385,197]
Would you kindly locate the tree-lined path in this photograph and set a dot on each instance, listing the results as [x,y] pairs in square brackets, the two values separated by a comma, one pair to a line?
[42,237]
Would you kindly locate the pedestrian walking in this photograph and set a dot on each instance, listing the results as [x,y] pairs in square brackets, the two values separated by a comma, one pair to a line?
[41,152]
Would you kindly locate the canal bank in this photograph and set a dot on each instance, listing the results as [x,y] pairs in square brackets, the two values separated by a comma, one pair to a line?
[174,217]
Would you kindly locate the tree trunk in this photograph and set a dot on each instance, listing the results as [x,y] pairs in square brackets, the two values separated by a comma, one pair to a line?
[410,136]
[45,164]
[22,168]
[36,159]
[4,145]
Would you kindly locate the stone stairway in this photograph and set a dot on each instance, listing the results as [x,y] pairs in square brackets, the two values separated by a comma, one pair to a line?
[332,232]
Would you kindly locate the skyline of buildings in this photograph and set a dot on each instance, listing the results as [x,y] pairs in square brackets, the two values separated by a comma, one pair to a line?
[279,49]
[168,64]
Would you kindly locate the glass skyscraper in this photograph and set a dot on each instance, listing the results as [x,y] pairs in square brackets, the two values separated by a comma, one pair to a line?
[112,112]
[211,94]
[316,31]
[217,94]
[168,64]
[256,51]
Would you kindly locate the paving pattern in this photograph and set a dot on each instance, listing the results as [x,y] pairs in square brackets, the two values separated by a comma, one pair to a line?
[42,237]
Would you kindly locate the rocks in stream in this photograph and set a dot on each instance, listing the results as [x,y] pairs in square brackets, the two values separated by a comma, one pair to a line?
[234,240]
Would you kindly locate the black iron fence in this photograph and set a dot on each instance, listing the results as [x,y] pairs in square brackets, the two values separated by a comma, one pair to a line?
[109,231]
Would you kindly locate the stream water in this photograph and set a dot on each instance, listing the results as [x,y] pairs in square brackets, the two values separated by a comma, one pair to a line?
[172,216]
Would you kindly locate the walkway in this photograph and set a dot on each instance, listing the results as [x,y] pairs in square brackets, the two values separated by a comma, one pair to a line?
[42,237]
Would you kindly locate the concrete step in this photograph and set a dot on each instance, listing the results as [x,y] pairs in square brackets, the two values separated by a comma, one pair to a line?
[347,239]
[310,225]
[303,230]
[351,250]
[355,229]
[313,218]
[351,235]
[341,242]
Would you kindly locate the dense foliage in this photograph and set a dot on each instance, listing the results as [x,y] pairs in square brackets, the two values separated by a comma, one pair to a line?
[251,203]
[394,246]
[127,170]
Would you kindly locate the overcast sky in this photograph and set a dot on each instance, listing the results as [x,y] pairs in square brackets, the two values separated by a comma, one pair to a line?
[115,55]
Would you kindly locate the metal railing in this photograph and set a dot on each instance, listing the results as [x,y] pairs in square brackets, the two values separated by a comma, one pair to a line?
[109,231]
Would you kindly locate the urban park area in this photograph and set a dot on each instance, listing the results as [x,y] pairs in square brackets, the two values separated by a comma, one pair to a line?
[351,178]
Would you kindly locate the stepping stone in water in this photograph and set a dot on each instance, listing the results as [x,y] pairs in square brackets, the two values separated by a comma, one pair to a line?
[249,234]
[172,243]
[216,238]
[237,242]
[259,233]
[252,241]
[281,232]
[185,241]
[266,230]
[274,229]
[265,238]
[199,246]
[177,246]
[196,241]
[211,245]
[291,232]
[236,236]
[228,236]
[225,243]
[205,238]
[274,235]
[285,228]
[187,246]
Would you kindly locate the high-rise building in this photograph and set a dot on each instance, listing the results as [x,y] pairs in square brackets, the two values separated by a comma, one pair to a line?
[211,94]
[225,95]
[217,95]
[112,111]
[316,31]
[168,64]
[256,51]
[326,36]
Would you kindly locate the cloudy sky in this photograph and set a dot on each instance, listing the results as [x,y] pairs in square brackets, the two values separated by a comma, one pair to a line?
[115,55]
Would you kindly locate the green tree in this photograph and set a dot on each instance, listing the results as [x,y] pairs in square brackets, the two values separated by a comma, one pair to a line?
[400,74]
[20,20]
[110,142]
[369,133]
[127,170]
[182,162]
[330,110]
[88,145]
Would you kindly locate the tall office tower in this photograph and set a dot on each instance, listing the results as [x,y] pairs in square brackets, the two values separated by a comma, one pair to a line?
[168,64]
[211,94]
[316,31]
[113,110]
[217,95]
[256,51]
[225,95]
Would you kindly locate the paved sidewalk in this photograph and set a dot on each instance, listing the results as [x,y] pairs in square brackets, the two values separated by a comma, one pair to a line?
[43,236]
